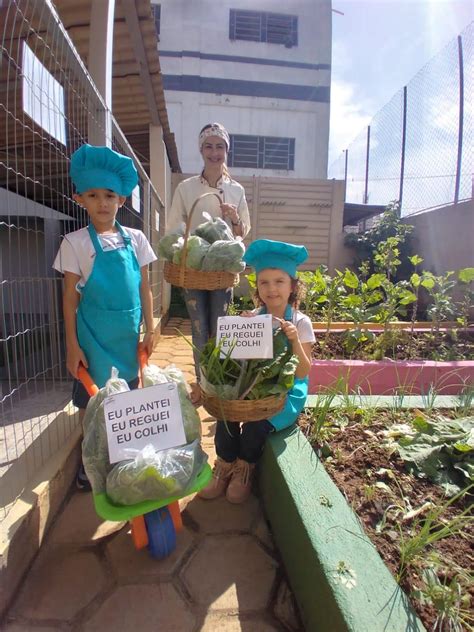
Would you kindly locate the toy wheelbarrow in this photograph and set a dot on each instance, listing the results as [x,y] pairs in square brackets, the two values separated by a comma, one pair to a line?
[154,523]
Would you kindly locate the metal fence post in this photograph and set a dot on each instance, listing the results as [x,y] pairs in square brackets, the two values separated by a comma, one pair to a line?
[366,192]
[346,152]
[404,139]
[461,120]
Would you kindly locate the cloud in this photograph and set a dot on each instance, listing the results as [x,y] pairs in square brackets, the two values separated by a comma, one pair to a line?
[349,115]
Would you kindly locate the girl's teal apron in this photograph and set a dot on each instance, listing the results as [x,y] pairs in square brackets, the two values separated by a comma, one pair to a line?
[296,397]
[109,312]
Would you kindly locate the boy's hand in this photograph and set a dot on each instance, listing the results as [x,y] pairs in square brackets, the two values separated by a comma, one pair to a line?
[147,342]
[74,356]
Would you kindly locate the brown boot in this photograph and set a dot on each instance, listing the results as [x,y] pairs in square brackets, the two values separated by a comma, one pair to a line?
[240,484]
[221,473]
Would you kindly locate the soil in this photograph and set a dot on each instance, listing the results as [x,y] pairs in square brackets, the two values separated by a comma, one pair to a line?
[357,457]
[398,345]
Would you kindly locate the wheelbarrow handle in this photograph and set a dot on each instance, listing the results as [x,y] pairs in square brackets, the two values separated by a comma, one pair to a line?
[88,383]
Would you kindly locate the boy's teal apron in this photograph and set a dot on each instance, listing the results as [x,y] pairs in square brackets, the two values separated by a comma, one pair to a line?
[296,397]
[109,312]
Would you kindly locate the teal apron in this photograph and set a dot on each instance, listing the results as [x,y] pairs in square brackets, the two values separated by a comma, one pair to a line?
[296,397]
[109,312]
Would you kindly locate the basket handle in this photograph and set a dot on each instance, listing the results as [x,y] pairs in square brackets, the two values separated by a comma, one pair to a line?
[186,234]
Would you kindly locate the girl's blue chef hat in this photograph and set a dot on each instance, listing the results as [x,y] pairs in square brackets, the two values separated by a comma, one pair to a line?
[102,168]
[266,253]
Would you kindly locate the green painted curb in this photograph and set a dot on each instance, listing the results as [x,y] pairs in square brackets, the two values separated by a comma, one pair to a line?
[315,531]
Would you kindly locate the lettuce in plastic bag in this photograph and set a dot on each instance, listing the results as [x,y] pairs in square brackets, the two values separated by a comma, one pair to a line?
[214,229]
[170,244]
[196,249]
[225,256]
[155,475]
[153,374]
[95,451]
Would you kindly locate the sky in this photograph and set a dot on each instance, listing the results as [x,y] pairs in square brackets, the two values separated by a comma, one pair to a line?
[378,46]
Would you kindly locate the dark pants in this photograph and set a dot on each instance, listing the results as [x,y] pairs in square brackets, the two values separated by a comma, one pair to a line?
[243,441]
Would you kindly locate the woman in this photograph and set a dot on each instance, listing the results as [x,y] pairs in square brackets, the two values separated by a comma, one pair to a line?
[204,307]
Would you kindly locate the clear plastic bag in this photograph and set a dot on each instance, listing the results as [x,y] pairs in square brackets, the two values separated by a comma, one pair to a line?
[153,374]
[95,452]
[214,229]
[155,475]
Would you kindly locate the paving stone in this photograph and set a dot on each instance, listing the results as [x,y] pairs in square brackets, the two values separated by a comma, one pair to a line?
[233,623]
[26,627]
[261,531]
[220,516]
[143,608]
[79,524]
[241,579]
[59,585]
[130,564]
[285,608]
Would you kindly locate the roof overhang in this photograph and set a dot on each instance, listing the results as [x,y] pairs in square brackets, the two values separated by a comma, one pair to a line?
[355,213]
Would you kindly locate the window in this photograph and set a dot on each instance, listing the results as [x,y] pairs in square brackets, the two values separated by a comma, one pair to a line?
[261,152]
[43,96]
[156,12]
[259,26]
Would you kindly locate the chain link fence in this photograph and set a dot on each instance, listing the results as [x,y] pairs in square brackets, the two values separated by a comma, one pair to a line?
[48,108]
[418,148]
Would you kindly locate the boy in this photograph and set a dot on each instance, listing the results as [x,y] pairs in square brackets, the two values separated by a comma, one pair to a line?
[105,267]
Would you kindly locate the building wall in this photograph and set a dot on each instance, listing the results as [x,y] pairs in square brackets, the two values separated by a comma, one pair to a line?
[209,77]
[443,237]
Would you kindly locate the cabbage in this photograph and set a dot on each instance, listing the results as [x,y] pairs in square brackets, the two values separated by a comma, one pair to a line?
[225,256]
[155,475]
[214,229]
[153,374]
[196,251]
[169,244]
[95,451]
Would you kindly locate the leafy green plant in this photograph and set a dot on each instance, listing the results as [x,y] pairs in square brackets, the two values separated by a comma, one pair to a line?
[440,449]
[430,529]
[389,224]
[465,403]
[321,428]
[449,598]
[466,304]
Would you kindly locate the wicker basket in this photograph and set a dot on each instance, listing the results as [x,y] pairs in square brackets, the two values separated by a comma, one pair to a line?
[242,410]
[181,276]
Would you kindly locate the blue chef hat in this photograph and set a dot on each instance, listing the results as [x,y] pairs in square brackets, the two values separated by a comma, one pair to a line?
[102,168]
[266,253]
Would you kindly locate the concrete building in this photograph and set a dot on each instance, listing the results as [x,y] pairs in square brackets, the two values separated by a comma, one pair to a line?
[263,69]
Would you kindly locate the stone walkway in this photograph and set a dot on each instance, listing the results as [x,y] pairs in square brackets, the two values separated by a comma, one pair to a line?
[224,576]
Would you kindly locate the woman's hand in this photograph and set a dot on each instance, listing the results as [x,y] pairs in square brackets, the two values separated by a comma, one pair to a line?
[230,212]
[147,342]
[75,356]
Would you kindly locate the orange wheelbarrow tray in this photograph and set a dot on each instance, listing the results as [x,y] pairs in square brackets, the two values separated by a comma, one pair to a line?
[154,522]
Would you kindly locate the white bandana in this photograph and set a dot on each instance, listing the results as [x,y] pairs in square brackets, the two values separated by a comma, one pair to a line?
[215,130]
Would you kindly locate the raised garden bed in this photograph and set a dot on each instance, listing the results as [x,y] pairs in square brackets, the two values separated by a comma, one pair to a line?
[394,373]
[385,462]
[339,580]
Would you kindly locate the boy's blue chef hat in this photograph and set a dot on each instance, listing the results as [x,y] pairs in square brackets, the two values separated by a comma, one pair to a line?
[266,253]
[102,168]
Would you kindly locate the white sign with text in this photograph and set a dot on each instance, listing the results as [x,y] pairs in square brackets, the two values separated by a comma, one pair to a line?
[247,338]
[137,418]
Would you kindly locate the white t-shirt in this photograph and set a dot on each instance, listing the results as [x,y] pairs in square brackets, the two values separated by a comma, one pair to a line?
[77,253]
[302,323]
[187,191]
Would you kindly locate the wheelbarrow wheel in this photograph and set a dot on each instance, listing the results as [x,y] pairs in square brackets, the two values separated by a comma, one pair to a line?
[161,533]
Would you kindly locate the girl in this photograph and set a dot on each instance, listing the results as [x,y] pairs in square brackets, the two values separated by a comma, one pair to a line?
[204,307]
[239,447]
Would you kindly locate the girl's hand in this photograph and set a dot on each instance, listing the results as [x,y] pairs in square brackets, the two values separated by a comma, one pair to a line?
[148,340]
[230,211]
[247,314]
[289,330]
[75,356]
